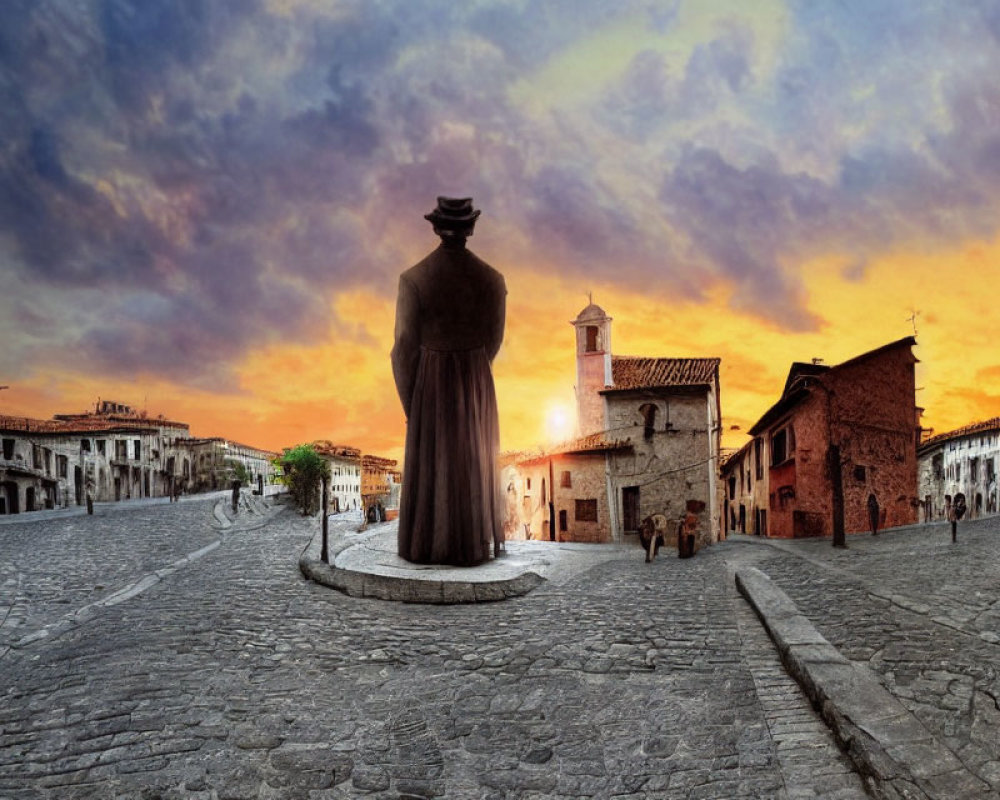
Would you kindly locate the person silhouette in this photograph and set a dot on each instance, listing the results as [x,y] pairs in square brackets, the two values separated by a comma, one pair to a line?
[450,315]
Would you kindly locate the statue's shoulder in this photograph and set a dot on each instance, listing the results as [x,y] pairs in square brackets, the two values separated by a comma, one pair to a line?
[493,275]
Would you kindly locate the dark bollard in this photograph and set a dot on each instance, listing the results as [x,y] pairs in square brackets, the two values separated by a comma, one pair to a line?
[90,504]
[325,552]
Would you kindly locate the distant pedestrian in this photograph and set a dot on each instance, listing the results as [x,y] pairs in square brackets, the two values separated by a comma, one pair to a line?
[873,513]
[956,512]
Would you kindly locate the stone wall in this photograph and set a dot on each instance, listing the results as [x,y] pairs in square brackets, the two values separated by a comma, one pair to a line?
[672,466]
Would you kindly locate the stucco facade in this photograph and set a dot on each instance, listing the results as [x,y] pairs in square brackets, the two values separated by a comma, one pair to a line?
[344,487]
[963,461]
[112,453]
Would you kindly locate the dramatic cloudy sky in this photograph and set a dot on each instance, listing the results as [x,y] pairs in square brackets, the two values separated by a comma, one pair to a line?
[205,204]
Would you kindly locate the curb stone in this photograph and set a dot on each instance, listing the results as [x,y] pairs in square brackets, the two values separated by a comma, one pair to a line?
[407,590]
[897,756]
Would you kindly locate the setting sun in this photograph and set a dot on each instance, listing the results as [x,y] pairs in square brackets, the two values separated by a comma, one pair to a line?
[558,423]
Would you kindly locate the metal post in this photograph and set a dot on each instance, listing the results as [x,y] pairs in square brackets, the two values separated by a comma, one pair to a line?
[325,553]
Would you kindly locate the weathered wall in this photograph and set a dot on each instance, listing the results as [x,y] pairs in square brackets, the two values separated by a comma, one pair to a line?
[875,419]
[969,465]
[674,466]
[589,403]
[529,489]
[587,482]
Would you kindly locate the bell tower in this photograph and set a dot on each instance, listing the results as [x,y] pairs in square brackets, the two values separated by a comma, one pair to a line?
[593,366]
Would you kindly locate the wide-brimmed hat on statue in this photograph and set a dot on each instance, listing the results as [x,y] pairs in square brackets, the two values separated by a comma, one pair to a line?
[453,213]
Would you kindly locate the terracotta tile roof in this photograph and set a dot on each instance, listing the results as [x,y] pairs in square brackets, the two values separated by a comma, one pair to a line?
[634,372]
[120,419]
[986,425]
[83,425]
[377,462]
[592,443]
[327,448]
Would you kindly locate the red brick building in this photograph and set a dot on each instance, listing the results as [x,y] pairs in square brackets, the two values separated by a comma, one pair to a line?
[858,419]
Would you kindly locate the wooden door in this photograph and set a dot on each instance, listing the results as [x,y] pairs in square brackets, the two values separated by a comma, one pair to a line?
[630,509]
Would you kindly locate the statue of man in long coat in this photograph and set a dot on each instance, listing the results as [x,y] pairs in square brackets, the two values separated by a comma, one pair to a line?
[449,326]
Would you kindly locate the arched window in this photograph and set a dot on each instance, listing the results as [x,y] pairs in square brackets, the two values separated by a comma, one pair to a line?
[592,338]
[648,411]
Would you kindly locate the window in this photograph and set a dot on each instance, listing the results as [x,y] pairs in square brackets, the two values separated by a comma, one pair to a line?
[758,456]
[85,445]
[586,510]
[991,474]
[563,523]
[528,484]
[859,473]
[566,480]
[8,449]
[101,446]
[36,456]
[121,450]
[62,466]
[138,449]
[779,447]
[648,411]
[937,466]
[974,469]
[591,338]
[958,472]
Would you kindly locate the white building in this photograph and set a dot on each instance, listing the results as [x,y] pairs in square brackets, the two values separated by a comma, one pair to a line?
[344,489]
[960,462]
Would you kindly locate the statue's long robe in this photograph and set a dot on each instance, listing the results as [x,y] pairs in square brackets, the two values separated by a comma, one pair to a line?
[449,326]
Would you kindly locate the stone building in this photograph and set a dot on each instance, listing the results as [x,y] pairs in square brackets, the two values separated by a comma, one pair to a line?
[858,420]
[344,491]
[213,460]
[112,453]
[376,489]
[960,462]
[649,436]
[560,494]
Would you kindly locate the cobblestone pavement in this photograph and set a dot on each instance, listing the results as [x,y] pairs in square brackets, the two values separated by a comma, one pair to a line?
[235,678]
[52,567]
[922,612]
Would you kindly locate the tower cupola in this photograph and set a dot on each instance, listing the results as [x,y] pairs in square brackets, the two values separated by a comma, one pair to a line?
[593,366]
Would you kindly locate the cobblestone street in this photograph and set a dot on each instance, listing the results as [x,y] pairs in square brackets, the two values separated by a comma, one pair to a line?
[233,677]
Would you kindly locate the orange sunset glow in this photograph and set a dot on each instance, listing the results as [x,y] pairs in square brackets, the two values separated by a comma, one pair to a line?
[211,223]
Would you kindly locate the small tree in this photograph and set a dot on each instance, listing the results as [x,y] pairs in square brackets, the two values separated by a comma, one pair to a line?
[303,469]
[239,472]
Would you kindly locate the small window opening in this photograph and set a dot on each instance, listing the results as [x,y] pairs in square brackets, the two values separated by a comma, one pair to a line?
[648,411]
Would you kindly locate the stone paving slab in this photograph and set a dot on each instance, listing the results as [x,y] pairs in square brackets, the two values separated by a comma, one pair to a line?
[896,753]
[365,564]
